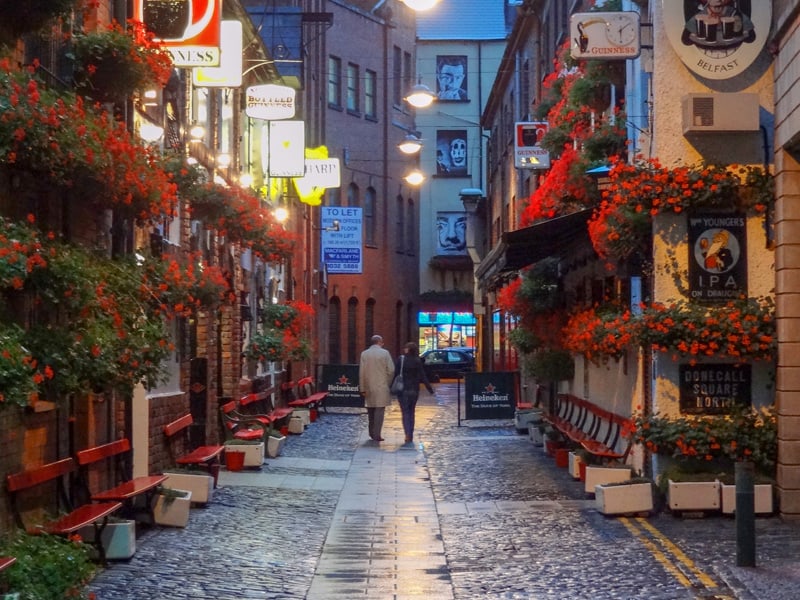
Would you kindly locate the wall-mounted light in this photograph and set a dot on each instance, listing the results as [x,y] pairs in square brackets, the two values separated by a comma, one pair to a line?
[421,96]
[150,98]
[415,177]
[281,214]
[197,133]
[411,145]
[224,159]
[150,132]
[246,180]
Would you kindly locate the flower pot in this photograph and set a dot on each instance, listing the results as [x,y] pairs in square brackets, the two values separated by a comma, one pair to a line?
[535,435]
[600,475]
[275,445]
[562,458]
[253,453]
[284,430]
[763,499]
[314,414]
[119,538]
[296,425]
[524,418]
[200,484]
[582,471]
[693,495]
[171,511]
[550,446]
[574,467]
[234,460]
[624,499]
[304,414]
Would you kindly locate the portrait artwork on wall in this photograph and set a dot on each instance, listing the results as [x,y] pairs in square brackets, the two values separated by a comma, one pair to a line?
[451,78]
[451,233]
[451,152]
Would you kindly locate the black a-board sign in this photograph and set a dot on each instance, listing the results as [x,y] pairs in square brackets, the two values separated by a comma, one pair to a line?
[341,383]
[491,395]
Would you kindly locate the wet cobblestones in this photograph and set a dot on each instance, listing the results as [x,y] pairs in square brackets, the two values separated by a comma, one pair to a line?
[513,526]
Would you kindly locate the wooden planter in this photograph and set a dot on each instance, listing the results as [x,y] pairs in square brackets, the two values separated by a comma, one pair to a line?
[624,499]
[763,499]
[172,512]
[601,475]
[200,484]
[693,495]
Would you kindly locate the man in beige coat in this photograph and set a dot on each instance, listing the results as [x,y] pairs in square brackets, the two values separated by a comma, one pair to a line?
[375,373]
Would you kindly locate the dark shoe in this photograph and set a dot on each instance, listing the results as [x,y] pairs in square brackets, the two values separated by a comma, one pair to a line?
[378,439]
[409,439]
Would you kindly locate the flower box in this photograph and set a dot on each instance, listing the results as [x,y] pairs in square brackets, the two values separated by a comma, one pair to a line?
[763,499]
[172,510]
[693,495]
[601,475]
[535,435]
[119,538]
[200,484]
[624,499]
[253,452]
[575,465]
[275,445]
[524,418]
[304,414]
[296,425]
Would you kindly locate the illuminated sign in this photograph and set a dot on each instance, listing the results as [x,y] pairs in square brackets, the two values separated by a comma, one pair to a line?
[229,71]
[287,142]
[188,29]
[270,102]
[605,35]
[528,154]
[341,239]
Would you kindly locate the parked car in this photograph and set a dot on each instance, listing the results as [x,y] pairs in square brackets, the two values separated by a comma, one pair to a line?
[447,362]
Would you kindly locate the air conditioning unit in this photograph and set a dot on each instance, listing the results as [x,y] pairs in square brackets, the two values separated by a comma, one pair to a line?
[720,113]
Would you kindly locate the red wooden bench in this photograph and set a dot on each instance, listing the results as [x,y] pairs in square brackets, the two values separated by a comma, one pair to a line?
[599,431]
[20,484]
[126,489]
[261,403]
[204,457]
[6,561]
[308,398]
[243,427]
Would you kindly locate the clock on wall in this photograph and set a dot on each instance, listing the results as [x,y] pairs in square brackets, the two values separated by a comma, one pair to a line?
[622,28]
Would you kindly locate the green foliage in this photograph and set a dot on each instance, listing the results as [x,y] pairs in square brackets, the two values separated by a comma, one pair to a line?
[550,365]
[18,18]
[524,340]
[47,567]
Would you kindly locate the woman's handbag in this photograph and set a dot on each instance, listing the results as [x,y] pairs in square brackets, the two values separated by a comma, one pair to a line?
[397,385]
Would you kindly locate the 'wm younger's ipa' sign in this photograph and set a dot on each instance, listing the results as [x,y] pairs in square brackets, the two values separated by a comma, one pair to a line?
[491,395]
[714,389]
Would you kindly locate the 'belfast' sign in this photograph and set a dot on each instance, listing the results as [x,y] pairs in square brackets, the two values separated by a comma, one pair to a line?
[714,389]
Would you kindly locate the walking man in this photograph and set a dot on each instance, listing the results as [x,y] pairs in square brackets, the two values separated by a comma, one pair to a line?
[375,373]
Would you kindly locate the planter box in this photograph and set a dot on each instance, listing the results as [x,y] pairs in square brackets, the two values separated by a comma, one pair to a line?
[763,499]
[693,495]
[296,425]
[119,539]
[535,435]
[304,414]
[200,484]
[253,453]
[562,458]
[601,475]
[275,445]
[173,512]
[574,465]
[624,499]
[524,418]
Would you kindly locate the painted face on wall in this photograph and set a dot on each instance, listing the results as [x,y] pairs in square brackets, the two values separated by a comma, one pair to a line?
[451,231]
[458,153]
[450,79]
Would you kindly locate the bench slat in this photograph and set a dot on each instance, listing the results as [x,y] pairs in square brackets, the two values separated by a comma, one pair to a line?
[200,455]
[80,517]
[32,477]
[91,455]
[131,489]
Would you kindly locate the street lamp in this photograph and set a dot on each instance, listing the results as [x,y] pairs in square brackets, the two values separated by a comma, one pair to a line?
[420,4]
[410,145]
[415,177]
[421,96]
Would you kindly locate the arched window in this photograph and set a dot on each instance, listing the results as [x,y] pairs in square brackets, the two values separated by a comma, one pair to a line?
[353,195]
[352,331]
[335,331]
[369,321]
[369,217]
[411,236]
[401,224]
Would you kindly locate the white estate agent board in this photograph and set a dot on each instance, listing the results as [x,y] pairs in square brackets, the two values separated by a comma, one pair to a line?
[341,246]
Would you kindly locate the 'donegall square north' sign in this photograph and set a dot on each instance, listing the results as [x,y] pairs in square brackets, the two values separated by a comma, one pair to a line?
[710,389]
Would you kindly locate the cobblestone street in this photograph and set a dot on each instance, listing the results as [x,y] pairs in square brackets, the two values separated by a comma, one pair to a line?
[472,511]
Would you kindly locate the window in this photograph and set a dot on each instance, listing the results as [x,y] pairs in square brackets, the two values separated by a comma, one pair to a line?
[397,76]
[401,224]
[352,88]
[412,228]
[408,72]
[353,198]
[370,91]
[352,331]
[334,81]
[369,217]
[334,331]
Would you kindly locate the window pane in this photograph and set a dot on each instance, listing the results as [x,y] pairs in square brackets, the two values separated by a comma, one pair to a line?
[352,87]
[370,102]
[334,81]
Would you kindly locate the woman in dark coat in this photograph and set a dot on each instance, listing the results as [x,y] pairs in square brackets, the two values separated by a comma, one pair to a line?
[413,376]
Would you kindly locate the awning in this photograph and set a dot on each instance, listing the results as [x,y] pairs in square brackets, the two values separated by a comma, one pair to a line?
[523,247]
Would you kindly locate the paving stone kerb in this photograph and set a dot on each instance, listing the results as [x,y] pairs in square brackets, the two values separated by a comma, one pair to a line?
[508,522]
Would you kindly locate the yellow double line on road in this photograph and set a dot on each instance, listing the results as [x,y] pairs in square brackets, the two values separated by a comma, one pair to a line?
[672,558]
